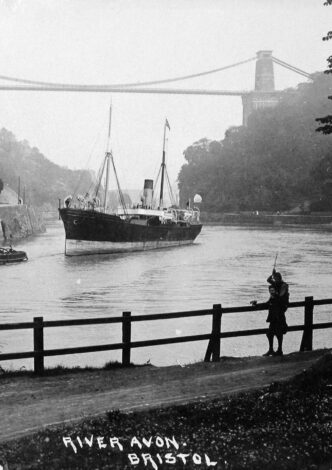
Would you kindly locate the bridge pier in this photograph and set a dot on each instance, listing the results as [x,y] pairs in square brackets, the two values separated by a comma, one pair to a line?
[264,94]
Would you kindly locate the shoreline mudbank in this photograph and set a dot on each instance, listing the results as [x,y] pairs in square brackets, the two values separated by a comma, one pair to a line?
[264,218]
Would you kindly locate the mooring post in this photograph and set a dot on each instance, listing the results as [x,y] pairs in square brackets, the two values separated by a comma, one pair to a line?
[126,338]
[306,343]
[38,345]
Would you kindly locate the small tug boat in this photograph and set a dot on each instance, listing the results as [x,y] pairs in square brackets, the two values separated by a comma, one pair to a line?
[8,255]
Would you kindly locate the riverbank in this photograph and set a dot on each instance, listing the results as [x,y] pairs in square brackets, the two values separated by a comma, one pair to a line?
[284,425]
[269,219]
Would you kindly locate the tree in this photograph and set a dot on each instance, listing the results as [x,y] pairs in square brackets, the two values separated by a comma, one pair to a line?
[45,181]
[326,121]
[278,162]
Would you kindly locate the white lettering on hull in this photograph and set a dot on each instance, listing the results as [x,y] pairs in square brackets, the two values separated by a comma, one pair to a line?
[84,247]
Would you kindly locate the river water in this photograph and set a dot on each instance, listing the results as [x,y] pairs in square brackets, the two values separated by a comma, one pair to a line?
[226,265]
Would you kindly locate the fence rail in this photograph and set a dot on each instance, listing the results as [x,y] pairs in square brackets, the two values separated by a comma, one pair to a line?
[213,348]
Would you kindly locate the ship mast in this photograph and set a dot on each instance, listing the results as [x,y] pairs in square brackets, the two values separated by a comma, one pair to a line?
[107,159]
[163,166]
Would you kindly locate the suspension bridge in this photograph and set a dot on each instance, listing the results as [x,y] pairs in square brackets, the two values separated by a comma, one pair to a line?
[264,94]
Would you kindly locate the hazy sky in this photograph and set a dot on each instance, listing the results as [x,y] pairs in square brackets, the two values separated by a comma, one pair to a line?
[116,41]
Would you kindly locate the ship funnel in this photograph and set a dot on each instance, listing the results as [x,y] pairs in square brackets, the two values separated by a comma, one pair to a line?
[148,193]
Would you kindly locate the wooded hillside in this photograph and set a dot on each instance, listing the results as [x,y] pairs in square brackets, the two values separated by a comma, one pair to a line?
[42,181]
[276,163]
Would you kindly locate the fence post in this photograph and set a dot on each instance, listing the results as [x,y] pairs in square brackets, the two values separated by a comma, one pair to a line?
[126,338]
[306,343]
[213,348]
[216,326]
[38,345]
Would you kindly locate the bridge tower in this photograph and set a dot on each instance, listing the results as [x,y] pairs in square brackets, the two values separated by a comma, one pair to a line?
[264,94]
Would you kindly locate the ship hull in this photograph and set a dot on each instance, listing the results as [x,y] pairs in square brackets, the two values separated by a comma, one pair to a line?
[92,232]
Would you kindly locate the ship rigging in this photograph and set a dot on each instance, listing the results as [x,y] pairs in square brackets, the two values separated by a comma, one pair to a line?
[92,228]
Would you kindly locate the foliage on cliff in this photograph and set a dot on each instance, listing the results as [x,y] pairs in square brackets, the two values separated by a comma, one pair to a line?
[277,162]
[326,121]
[42,181]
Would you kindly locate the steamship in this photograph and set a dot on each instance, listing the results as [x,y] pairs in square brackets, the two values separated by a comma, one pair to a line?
[90,228]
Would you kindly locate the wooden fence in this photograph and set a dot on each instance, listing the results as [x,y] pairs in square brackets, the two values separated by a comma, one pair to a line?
[213,348]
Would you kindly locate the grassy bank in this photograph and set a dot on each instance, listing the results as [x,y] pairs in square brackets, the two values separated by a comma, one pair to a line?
[285,426]
[62,370]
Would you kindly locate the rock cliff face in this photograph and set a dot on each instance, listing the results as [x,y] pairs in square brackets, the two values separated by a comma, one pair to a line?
[8,196]
[19,221]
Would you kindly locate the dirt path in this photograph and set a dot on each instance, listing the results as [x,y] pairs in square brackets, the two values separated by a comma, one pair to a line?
[28,403]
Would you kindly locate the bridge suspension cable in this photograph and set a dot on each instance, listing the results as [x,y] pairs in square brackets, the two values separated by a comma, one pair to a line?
[139,87]
[291,67]
[125,85]
[109,89]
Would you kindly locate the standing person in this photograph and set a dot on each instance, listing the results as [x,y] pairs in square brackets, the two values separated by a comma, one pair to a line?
[277,304]
[280,286]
